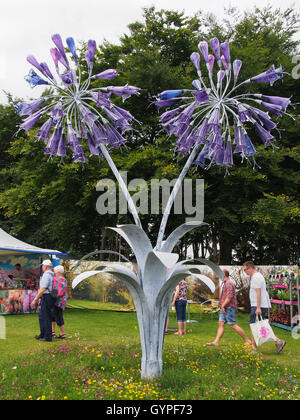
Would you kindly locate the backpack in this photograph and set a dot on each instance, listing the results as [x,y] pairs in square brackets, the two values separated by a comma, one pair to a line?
[59,287]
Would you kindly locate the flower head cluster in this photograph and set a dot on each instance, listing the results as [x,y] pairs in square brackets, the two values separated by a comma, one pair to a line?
[74,111]
[213,115]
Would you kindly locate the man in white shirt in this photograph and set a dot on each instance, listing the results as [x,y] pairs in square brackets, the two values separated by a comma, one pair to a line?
[259,299]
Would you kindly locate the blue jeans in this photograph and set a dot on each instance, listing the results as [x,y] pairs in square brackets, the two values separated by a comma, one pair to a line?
[229,317]
[180,306]
[264,313]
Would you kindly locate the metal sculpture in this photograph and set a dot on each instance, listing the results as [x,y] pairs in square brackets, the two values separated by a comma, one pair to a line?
[204,120]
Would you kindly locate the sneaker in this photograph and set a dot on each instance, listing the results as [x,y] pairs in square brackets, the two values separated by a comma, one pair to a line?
[279,345]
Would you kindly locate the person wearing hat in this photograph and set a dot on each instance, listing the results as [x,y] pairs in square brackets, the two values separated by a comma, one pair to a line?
[47,302]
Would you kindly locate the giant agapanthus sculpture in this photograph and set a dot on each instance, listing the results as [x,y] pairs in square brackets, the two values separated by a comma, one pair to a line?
[213,116]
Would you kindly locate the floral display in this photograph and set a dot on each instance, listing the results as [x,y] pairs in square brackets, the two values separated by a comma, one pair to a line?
[214,116]
[74,111]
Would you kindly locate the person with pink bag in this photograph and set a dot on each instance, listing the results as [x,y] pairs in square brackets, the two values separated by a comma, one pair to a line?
[60,293]
[260,303]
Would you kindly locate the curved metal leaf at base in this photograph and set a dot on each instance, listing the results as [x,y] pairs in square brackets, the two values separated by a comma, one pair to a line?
[159,274]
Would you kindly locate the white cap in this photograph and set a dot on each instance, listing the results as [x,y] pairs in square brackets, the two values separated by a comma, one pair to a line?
[59,269]
[47,263]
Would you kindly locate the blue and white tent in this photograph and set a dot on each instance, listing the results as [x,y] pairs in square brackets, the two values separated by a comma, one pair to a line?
[12,246]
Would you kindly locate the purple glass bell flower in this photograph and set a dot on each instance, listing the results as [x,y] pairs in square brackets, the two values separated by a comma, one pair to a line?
[169,94]
[90,54]
[244,113]
[228,157]
[215,46]
[101,99]
[55,56]
[220,76]
[269,76]
[69,78]
[226,52]
[203,48]
[200,161]
[275,109]
[57,112]
[29,122]
[277,100]
[250,148]
[61,148]
[87,116]
[167,103]
[52,146]
[211,62]
[107,74]
[265,135]
[224,62]
[169,115]
[44,131]
[124,91]
[32,60]
[71,45]
[59,44]
[214,121]
[99,133]
[195,59]
[202,131]
[28,108]
[268,124]
[93,146]
[237,65]
[201,96]
[46,70]
[34,80]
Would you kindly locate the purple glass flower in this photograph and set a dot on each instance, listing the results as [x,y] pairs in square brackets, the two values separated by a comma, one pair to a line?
[107,74]
[204,115]
[215,46]
[75,109]
[269,76]
[195,59]
[28,108]
[203,48]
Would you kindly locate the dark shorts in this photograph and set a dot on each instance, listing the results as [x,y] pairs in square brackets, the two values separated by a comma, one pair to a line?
[264,314]
[57,316]
[180,306]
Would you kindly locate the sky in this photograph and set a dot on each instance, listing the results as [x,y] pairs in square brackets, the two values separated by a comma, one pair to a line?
[26,27]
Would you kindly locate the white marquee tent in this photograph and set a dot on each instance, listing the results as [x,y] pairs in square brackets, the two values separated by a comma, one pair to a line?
[12,246]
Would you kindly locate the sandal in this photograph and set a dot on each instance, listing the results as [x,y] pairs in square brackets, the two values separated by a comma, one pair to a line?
[62,337]
[54,335]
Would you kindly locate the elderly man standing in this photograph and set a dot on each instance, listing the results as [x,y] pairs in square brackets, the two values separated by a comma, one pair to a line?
[228,305]
[47,302]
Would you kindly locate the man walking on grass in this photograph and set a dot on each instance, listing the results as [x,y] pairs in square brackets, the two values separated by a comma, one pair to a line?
[259,299]
[228,305]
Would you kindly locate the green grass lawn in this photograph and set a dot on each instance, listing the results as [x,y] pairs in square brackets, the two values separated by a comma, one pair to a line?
[101,360]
